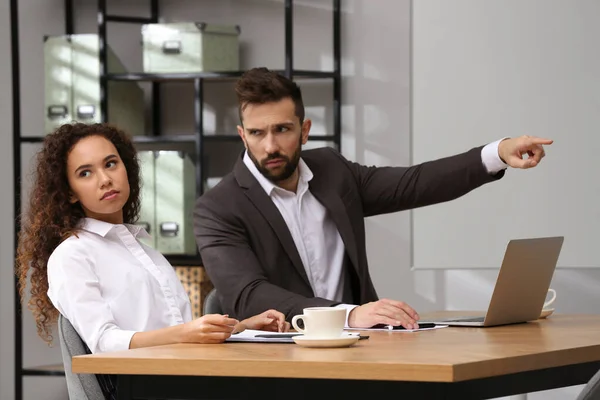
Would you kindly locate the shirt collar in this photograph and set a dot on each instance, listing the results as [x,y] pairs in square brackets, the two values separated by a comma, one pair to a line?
[103,228]
[305,174]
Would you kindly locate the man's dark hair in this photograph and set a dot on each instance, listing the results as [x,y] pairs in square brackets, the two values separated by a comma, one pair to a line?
[260,86]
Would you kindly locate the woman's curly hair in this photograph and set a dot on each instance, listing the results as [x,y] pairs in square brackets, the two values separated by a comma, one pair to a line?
[51,217]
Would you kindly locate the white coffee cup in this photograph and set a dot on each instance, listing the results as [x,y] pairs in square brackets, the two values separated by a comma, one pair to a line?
[321,322]
[549,302]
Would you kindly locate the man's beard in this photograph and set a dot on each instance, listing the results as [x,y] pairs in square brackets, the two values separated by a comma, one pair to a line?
[289,166]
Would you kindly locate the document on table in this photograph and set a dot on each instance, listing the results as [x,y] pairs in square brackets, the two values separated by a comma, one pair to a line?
[251,335]
[254,336]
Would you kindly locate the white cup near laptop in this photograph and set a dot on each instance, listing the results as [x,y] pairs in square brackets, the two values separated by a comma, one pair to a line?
[549,302]
[545,310]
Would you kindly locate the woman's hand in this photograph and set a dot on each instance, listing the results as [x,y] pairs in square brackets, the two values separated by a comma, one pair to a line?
[270,320]
[210,328]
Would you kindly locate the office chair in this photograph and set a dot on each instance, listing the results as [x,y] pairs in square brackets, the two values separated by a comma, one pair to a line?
[79,386]
[591,391]
[212,304]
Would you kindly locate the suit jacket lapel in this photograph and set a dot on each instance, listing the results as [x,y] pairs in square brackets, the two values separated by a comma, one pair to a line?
[269,210]
[336,208]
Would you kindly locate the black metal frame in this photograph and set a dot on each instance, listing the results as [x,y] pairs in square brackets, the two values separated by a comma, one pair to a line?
[197,138]
[228,388]
[18,140]
[16,120]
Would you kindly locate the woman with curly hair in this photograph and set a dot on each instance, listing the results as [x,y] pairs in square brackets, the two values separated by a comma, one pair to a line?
[80,246]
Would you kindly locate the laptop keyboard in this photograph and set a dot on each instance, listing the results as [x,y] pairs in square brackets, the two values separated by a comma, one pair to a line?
[476,319]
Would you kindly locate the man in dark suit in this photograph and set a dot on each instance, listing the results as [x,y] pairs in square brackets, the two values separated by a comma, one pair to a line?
[285,229]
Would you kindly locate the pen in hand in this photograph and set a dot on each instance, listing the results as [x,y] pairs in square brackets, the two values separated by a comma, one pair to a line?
[423,325]
[392,327]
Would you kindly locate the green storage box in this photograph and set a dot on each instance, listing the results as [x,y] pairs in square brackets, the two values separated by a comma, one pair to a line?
[147,217]
[72,85]
[175,191]
[190,47]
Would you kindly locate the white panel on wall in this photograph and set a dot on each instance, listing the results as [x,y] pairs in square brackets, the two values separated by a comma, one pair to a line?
[483,70]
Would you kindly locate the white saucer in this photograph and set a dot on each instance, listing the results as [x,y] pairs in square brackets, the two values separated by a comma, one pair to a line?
[347,339]
[546,312]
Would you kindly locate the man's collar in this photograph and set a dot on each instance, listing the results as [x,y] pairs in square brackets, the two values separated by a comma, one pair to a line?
[266,184]
[305,174]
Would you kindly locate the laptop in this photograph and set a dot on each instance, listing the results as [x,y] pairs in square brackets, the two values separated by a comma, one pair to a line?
[522,284]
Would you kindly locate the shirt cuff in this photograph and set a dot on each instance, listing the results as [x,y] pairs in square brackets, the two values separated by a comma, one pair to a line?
[114,340]
[490,158]
[348,307]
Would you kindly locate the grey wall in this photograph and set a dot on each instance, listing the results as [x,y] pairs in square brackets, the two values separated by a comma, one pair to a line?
[376,100]
[484,70]
[6,209]
[376,130]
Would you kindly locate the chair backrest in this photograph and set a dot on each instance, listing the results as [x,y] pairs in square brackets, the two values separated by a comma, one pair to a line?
[80,386]
[591,391]
[212,305]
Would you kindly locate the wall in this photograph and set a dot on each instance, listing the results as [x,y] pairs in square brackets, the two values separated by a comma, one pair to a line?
[376,130]
[496,69]
[376,93]
[6,209]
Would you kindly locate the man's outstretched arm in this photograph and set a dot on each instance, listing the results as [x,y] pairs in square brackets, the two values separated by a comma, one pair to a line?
[390,189]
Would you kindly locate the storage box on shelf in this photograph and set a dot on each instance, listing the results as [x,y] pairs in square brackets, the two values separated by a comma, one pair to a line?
[72,85]
[167,200]
[147,217]
[190,47]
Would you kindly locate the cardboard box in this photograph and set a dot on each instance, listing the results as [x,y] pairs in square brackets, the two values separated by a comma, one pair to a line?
[197,285]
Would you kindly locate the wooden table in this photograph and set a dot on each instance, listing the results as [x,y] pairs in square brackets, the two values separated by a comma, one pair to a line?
[444,363]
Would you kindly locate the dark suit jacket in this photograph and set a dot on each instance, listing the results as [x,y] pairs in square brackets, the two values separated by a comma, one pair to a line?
[249,253]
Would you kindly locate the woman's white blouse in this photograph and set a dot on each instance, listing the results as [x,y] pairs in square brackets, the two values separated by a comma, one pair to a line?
[110,286]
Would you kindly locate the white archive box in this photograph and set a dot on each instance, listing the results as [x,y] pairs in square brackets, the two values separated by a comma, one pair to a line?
[72,85]
[147,217]
[190,47]
[175,191]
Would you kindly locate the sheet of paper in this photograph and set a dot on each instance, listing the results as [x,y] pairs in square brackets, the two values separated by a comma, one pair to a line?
[398,330]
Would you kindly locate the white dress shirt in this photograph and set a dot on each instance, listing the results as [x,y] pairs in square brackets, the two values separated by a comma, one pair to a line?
[110,286]
[315,234]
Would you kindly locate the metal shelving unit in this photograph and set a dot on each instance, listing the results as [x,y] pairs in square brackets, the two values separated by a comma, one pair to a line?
[197,137]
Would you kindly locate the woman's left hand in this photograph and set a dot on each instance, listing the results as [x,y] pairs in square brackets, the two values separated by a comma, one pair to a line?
[270,320]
